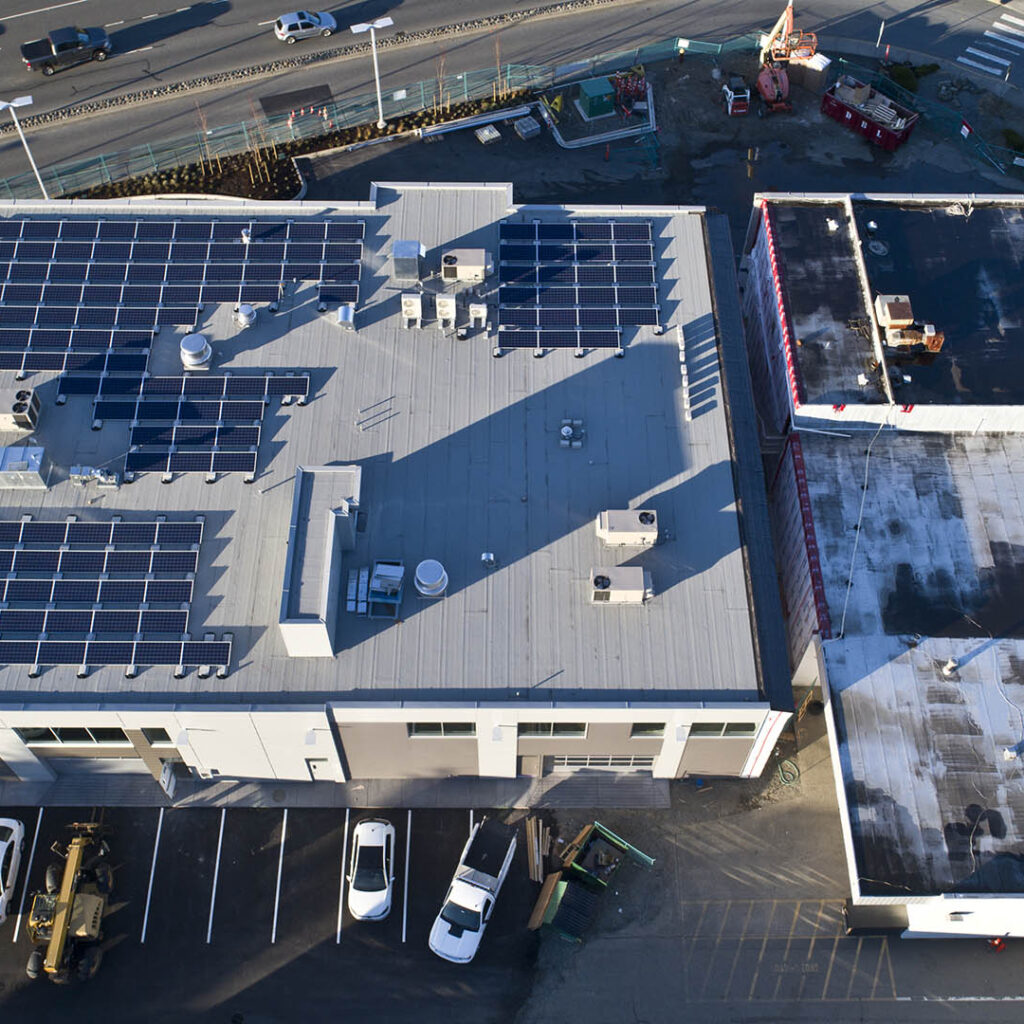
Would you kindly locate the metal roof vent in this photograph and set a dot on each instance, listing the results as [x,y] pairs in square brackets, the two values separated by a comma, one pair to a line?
[430,580]
[245,315]
[620,584]
[637,527]
[195,352]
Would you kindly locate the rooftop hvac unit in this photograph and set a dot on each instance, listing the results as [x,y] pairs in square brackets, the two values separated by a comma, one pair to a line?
[23,414]
[23,468]
[620,584]
[412,309]
[893,311]
[918,336]
[636,527]
[466,265]
[407,260]
[445,307]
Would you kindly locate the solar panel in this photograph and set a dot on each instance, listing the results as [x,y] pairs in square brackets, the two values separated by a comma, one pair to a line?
[88,533]
[269,273]
[179,533]
[99,652]
[632,231]
[221,293]
[593,231]
[224,272]
[304,252]
[516,317]
[230,229]
[153,230]
[79,229]
[23,294]
[41,229]
[632,296]
[185,229]
[266,253]
[270,230]
[339,251]
[139,273]
[634,253]
[40,271]
[119,229]
[339,293]
[554,231]
[34,251]
[234,462]
[14,338]
[516,231]
[43,533]
[65,622]
[186,272]
[32,590]
[107,272]
[557,317]
[17,621]
[112,591]
[146,462]
[168,591]
[190,462]
[339,230]
[518,253]
[175,561]
[595,275]
[307,231]
[271,293]
[164,622]
[563,296]
[517,339]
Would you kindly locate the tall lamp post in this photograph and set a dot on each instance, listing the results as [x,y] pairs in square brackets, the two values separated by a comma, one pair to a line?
[372,27]
[24,101]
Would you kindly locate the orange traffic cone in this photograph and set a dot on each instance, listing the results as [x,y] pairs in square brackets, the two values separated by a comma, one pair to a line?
[997,945]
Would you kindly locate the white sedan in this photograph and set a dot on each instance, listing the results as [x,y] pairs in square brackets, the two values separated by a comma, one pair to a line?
[303,24]
[12,840]
[371,873]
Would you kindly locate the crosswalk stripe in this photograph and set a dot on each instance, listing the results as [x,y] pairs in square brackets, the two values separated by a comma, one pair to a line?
[1008,28]
[1006,39]
[1010,17]
[981,67]
[987,56]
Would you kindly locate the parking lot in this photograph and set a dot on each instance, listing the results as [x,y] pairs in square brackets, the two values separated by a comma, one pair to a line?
[234,915]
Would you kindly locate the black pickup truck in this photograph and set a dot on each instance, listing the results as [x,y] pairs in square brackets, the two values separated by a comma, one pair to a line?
[64,47]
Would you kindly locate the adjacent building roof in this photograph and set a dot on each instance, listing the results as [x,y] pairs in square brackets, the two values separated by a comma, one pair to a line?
[459,454]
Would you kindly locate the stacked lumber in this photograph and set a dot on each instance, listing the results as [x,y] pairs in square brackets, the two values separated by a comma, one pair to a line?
[538,846]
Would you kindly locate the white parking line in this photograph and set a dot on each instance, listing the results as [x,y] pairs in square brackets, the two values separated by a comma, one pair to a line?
[111,24]
[1010,17]
[341,884]
[260,24]
[216,873]
[1008,28]
[280,867]
[152,871]
[980,67]
[42,10]
[471,819]
[28,871]
[405,893]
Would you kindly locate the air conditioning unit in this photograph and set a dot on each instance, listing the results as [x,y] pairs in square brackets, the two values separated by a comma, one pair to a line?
[893,311]
[635,527]
[466,265]
[24,469]
[445,308]
[23,414]
[412,309]
[620,584]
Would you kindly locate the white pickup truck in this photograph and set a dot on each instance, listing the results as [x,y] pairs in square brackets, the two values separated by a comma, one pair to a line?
[470,899]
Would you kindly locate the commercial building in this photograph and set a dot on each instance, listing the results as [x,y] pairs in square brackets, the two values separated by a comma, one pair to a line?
[885,335]
[496,533]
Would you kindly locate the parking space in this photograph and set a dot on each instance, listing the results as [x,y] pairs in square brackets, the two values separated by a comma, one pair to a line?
[233,909]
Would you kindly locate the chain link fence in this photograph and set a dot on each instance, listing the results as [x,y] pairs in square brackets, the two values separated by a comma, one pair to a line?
[438,93]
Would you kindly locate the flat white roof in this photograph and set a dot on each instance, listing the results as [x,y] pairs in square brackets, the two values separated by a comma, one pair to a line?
[459,454]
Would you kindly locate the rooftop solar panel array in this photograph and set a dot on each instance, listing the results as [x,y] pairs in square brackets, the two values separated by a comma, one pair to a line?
[575,283]
[93,586]
[111,277]
[291,385]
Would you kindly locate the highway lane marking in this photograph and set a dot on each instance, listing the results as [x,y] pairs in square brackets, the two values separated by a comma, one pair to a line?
[42,10]
[980,67]
[146,17]
[1006,39]
[341,884]
[111,24]
[152,872]
[987,56]
[280,868]
[28,870]
[216,875]
[405,891]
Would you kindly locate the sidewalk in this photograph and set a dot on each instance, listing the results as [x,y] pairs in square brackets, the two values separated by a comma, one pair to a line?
[574,790]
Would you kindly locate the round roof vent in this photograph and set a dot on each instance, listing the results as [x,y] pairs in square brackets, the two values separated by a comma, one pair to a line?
[430,579]
[195,350]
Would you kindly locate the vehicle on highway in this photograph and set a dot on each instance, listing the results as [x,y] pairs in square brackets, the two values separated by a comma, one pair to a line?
[64,47]
[470,899]
[371,875]
[303,24]
[12,842]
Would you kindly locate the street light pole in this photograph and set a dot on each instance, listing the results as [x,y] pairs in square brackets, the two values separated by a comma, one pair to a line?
[24,101]
[372,27]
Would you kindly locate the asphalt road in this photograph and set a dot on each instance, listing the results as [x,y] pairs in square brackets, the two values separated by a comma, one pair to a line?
[169,46]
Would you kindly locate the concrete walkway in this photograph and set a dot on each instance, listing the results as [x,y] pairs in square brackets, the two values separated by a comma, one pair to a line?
[579,789]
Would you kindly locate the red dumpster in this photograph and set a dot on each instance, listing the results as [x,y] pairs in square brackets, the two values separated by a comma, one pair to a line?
[868,112]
